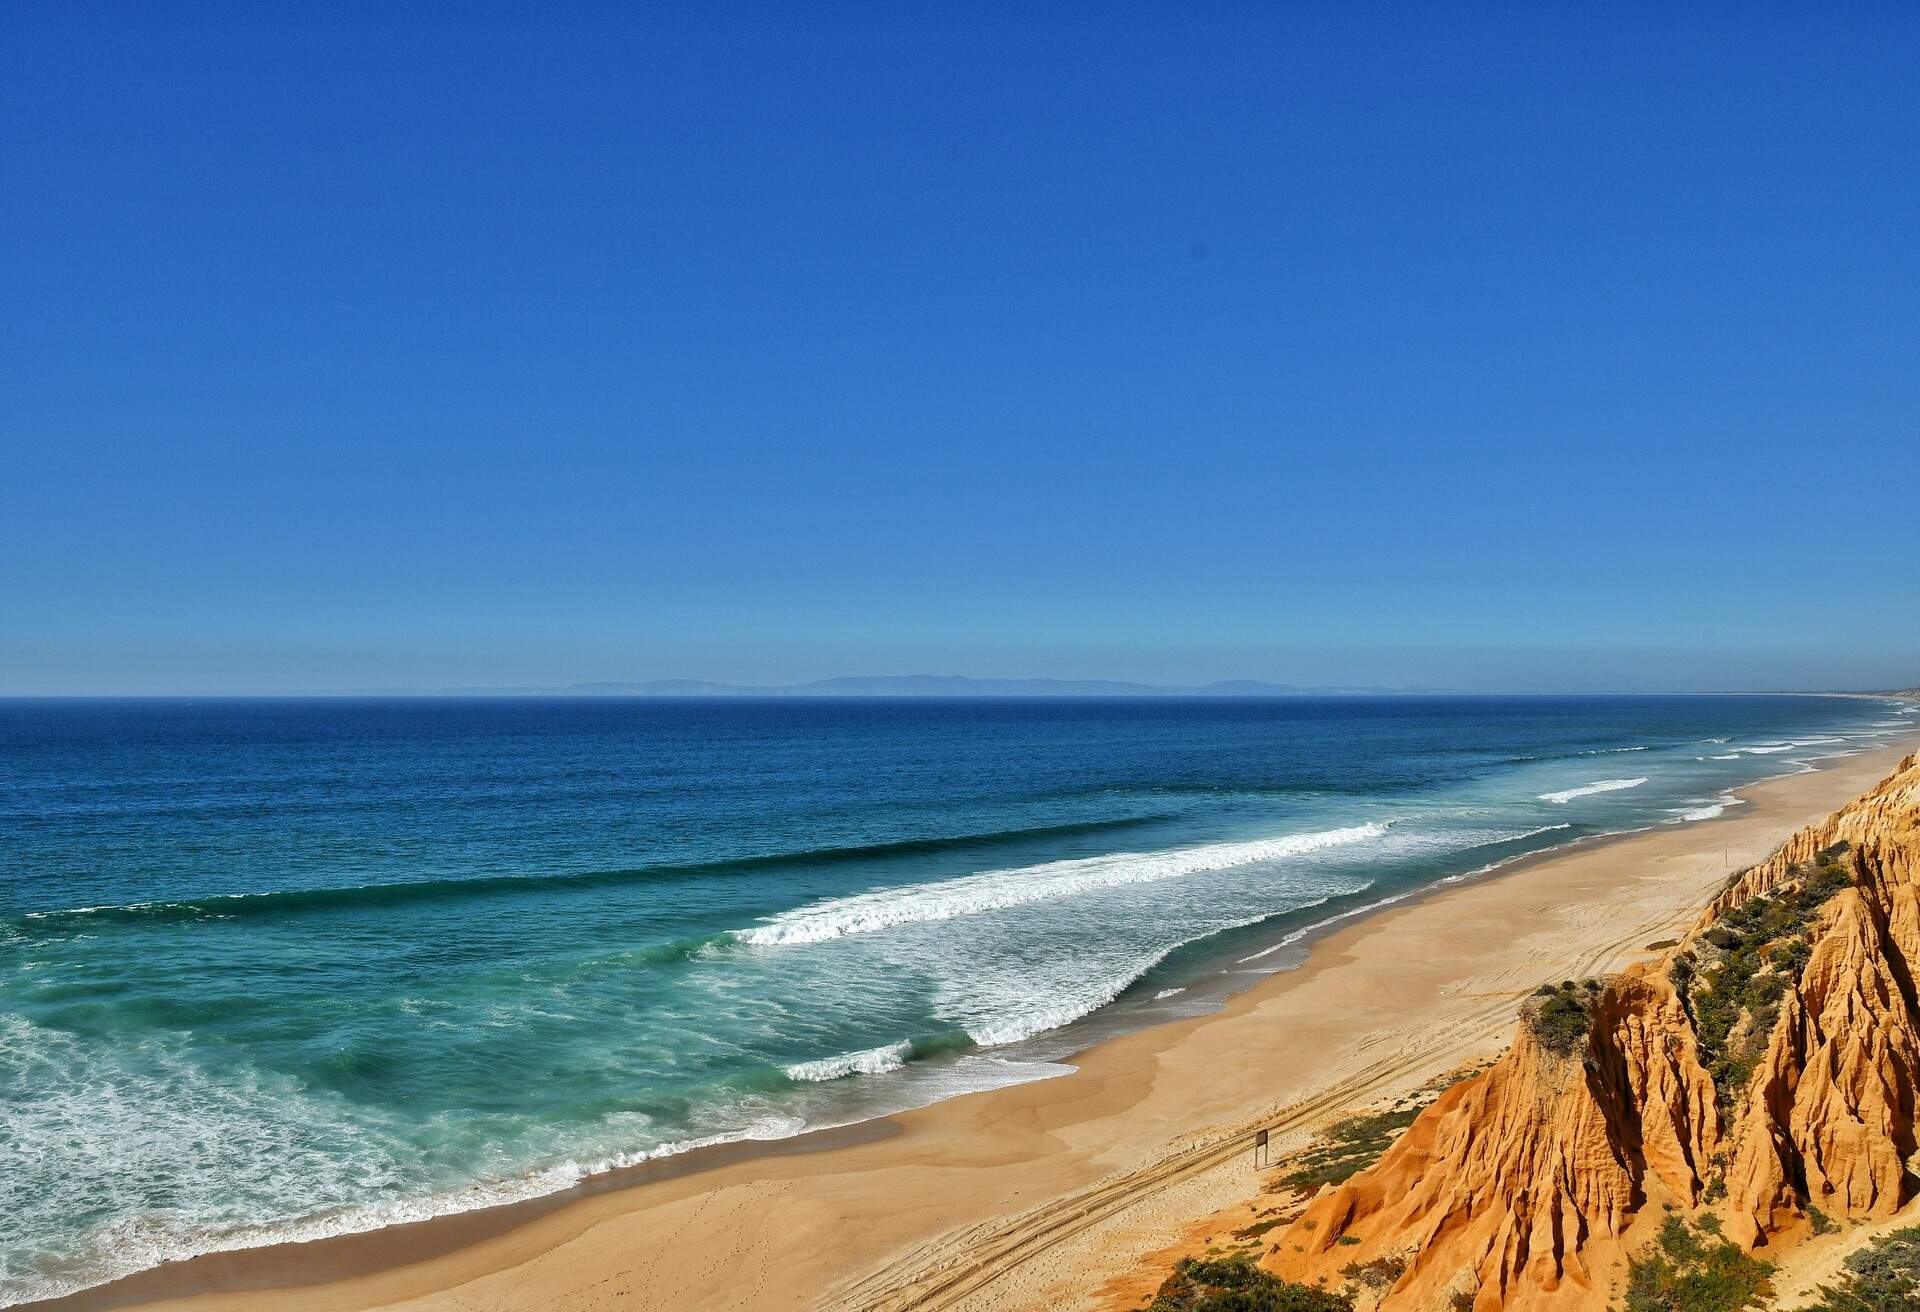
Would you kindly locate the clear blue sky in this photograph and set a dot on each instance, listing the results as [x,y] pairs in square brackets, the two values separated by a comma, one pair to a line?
[1552,346]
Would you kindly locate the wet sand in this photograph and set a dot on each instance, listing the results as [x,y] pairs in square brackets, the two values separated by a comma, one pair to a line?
[1038,1195]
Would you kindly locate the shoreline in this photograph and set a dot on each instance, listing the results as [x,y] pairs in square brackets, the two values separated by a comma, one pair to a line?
[1126,1109]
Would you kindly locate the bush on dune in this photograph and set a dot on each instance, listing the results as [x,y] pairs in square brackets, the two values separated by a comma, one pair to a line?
[1347,1147]
[1350,1146]
[1695,1271]
[1762,946]
[1882,1277]
[1559,1017]
[1235,1284]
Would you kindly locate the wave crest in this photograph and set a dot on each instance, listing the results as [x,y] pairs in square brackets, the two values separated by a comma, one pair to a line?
[1587,790]
[994,890]
[1706,809]
[352,897]
[870,1061]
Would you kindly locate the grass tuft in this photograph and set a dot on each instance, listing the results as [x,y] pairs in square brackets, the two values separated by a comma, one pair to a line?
[1349,1146]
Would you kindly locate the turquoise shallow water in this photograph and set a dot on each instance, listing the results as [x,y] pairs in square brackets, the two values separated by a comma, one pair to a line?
[282,969]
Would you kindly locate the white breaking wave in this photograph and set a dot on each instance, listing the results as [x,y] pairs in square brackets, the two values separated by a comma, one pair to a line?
[1164,994]
[1768,750]
[140,1243]
[1057,1002]
[994,890]
[871,1061]
[1002,1031]
[1609,751]
[1704,809]
[1300,933]
[1051,1003]
[270,1163]
[1531,833]
[1348,914]
[1587,790]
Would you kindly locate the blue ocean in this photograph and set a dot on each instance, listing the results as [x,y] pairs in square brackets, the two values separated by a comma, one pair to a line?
[283,969]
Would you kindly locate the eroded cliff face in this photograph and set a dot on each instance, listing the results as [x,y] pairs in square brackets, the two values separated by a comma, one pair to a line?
[1767,1065]
[1828,1119]
[1500,1188]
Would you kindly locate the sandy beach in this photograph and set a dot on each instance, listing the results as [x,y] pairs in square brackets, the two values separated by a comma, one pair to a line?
[1052,1193]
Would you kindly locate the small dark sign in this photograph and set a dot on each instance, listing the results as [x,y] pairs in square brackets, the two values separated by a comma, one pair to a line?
[1259,1147]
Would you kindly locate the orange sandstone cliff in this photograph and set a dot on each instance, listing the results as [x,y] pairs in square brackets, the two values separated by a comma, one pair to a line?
[1767,1067]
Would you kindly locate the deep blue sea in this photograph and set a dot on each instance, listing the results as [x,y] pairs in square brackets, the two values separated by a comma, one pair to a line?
[277,969]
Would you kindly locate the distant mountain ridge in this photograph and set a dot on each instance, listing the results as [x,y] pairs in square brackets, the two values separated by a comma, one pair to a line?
[938,685]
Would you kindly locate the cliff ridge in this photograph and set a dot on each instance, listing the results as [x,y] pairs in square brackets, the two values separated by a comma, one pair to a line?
[1764,1070]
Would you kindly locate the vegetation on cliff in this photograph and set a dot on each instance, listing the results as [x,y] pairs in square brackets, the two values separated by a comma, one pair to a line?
[1692,1269]
[1348,1146]
[1733,978]
[1235,1284]
[1560,1016]
[1882,1277]
[1354,1143]
[1768,1068]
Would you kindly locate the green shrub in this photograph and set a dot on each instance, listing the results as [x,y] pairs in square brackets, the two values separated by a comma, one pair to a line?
[1350,1146]
[1259,1228]
[1681,972]
[1686,1272]
[1561,1017]
[1791,957]
[1882,1277]
[1765,947]
[1378,1274]
[1235,1284]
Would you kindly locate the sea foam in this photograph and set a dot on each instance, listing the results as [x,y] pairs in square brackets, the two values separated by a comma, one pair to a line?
[1587,790]
[870,1061]
[994,890]
[1705,808]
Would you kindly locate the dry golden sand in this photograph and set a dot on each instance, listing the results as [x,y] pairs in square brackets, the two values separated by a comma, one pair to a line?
[1047,1194]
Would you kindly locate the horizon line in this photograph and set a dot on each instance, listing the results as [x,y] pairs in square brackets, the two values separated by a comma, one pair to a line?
[922,687]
